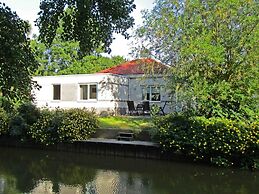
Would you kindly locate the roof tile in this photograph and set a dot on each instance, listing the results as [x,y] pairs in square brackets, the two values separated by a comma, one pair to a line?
[138,66]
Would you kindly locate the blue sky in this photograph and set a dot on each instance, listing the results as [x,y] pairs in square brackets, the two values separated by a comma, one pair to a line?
[28,9]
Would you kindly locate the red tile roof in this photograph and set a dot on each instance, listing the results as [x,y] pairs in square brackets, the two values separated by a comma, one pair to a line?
[138,66]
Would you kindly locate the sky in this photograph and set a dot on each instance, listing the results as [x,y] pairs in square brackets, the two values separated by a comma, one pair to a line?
[28,9]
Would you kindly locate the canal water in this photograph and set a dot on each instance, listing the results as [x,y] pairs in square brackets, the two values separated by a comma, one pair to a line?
[24,171]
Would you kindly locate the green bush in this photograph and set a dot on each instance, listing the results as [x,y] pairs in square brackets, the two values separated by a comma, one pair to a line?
[4,120]
[5,103]
[78,124]
[220,141]
[29,112]
[44,130]
[25,115]
[63,126]
[18,126]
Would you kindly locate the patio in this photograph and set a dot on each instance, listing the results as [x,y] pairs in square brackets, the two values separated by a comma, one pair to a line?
[144,108]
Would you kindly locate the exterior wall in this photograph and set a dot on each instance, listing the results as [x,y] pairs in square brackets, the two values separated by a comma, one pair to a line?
[138,82]
[110,90]
[113,91]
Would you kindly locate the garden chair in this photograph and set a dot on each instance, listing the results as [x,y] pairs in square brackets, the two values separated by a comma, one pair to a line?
[131,108]
[146,108]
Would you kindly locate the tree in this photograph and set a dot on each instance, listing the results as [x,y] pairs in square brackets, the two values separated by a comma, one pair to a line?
[212,47]
[62,58]
[17,61]
[92,64]
[91,23]
[59,56]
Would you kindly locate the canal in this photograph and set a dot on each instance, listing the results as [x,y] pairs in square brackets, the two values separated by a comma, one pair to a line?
[34,171]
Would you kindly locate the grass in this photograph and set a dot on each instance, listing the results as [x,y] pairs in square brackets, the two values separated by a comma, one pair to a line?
[126,123]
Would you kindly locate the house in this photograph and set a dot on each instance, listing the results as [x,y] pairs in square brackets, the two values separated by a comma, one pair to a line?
[107,91]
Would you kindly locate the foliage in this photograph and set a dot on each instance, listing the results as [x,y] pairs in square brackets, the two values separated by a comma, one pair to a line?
[221,141]
[62,58]
[29,112]
[77,124]
[18,126]
[26,115]
[92,64]
[59,56]
[92,23]
[3,121]
[63,126]
[155,110]
[44,130]
[16,58]
[5,103]
[213,49]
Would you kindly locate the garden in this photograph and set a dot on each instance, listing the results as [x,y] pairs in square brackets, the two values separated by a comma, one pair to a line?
[219,141]
[211,48]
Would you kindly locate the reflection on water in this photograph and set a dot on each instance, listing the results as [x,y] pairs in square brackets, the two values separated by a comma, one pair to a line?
[45,172]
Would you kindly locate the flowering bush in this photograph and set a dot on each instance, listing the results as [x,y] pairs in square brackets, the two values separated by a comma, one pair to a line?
[218,140]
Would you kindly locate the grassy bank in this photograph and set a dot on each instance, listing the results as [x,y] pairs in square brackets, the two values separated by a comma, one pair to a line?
[109,127]
[135,124]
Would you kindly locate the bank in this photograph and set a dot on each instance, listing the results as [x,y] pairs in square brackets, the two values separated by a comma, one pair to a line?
[105,147]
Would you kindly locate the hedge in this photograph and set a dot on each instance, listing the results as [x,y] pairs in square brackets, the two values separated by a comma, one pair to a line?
[63,126]
[220,141]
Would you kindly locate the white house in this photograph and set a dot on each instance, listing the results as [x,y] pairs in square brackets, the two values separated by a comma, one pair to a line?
[107,91]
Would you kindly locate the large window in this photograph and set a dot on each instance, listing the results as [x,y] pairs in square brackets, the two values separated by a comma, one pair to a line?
[151,93]
[56,92]
[88,91]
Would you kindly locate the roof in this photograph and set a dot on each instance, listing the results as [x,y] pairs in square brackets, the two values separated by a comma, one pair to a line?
[138,66]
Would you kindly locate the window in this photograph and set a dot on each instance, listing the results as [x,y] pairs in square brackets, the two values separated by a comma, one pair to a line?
[88,91]
[155,93]
[151,93]
[93,92]
[83,92]
[56,92]
[145,93]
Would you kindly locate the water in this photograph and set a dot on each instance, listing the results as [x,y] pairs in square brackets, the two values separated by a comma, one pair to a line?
[47,172]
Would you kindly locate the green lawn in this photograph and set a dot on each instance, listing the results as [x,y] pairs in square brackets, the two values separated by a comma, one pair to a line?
[126,123]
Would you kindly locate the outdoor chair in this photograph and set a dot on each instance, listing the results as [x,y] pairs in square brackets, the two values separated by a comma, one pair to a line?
[146,108]
[140,109]
[131,108]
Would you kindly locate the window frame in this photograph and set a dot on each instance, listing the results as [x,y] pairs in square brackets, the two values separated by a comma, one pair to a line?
[88,91]
[148,90]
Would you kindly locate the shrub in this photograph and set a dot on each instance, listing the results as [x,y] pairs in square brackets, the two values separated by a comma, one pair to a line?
[5,103]
[26,114]
[44,130]
[78,124]
[17,126]
[220,141]
[3,121]
[63,126]
[155,110]
[29,112]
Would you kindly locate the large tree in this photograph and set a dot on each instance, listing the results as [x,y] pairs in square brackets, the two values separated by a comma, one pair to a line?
[62,58]
[91,22]
[16,58]
[213,49]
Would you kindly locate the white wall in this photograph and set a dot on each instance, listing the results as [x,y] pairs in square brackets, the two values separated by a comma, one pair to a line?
[110,88]
[113,91]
